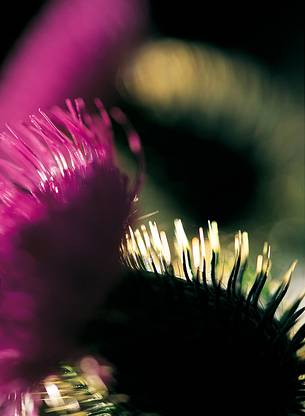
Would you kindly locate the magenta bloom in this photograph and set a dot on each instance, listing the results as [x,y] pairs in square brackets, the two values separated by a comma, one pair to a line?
[64,206]
[72,48]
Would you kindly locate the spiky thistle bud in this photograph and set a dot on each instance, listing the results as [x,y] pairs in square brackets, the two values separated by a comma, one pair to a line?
[190,335]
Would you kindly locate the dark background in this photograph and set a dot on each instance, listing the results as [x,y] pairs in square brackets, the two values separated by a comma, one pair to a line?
[273,32]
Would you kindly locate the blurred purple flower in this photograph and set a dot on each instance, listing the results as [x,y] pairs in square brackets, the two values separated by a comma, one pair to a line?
[71,49]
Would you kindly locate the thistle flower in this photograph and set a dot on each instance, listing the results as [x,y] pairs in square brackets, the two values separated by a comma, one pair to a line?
[64,206]
[190,336]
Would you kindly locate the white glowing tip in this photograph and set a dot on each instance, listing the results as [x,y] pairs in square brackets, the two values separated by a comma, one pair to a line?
[133,241]
[146,237]
[156,240]
[141,243]
[202,248]
[27,405]
[237,243]
[55,399]
[289,272]
[165,248]
[213,236]
[196,252]
[180,235]
[259,264]
[245,246]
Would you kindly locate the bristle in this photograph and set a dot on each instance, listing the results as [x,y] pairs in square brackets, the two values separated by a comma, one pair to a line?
[188,336]
[188,333]
[187,257]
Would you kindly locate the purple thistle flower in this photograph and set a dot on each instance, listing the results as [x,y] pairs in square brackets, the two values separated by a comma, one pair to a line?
[72,48]
[64,206]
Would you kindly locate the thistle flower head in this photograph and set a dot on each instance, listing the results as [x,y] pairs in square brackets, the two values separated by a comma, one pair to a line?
[64,206]
[190,334]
